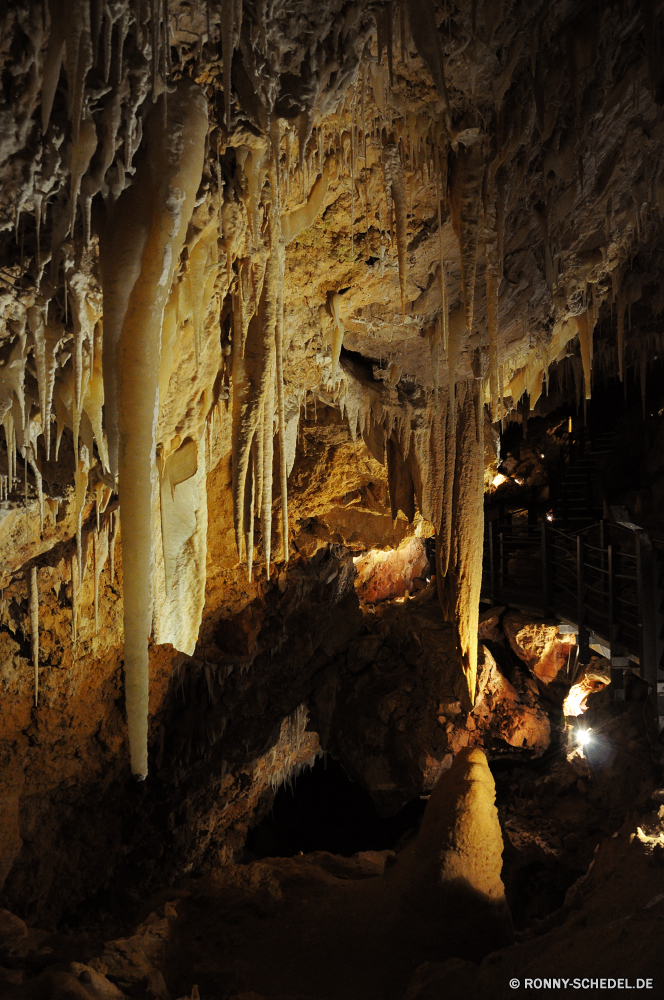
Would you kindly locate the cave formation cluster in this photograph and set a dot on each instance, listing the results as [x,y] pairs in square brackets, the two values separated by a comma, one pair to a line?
[423,218]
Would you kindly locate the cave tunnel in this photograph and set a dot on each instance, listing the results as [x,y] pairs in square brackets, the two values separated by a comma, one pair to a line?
[331,499]
[325,810]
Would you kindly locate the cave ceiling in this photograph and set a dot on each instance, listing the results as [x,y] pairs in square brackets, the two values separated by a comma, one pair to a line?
[212,214]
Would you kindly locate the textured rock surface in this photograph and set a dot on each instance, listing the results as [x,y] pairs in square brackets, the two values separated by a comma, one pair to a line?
[391,707]
[383,575]
[539,645]
[311,909]
[610,933]
[484,229]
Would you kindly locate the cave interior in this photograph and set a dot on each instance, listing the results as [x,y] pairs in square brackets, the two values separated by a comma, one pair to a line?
[331,498]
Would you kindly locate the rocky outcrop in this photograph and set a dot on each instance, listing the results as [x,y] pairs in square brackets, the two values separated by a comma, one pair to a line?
[538,644]
[392,709]
[218,745]
[385,575]
[380,912]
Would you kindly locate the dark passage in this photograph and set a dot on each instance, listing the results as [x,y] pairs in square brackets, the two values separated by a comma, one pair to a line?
[326,811]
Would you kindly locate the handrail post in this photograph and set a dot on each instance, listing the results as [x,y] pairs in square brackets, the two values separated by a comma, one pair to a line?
[546,569]
[646,605]
[501,560]
[584,649]
[532,506]
[617,666]
[493,558]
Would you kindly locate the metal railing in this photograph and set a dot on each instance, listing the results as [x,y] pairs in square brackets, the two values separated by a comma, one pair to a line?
[607,580]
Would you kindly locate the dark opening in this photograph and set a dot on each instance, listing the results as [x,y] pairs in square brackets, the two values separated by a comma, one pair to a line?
[326,811]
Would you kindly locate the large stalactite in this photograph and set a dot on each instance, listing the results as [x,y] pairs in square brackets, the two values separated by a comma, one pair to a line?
[139,257]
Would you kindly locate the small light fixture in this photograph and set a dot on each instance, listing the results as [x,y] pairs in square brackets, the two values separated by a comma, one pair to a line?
[584,737]
[499,479]
[549,515]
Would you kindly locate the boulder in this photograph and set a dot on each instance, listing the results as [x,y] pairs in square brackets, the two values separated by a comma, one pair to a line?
[12,931]
[452,979]
[489,625]
[81,983]
[538,644]
[503,713]
[384,575]
[10,838]
[136,961]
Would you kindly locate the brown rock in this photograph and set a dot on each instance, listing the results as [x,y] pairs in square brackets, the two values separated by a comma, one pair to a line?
[537,644]
[12,931]
[96,982]
[457,976]
[489,626]
[501,713]
[136,960]
[385,575]
[12,976]
[54,985]
[10,838]
[331,928]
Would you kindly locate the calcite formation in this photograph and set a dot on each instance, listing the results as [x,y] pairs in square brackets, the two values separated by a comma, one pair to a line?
[454,864]
[215,216]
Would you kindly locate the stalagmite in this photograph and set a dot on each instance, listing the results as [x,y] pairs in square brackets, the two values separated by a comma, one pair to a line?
[53,61]
[252,374]
[268,461]
[115,524]
[34,627]
[10,440]
[75,585]
[352,187]
[444,305]
[82,152]
[140,254]
[81,483]
[457,330]
[93,402]
[78,59]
